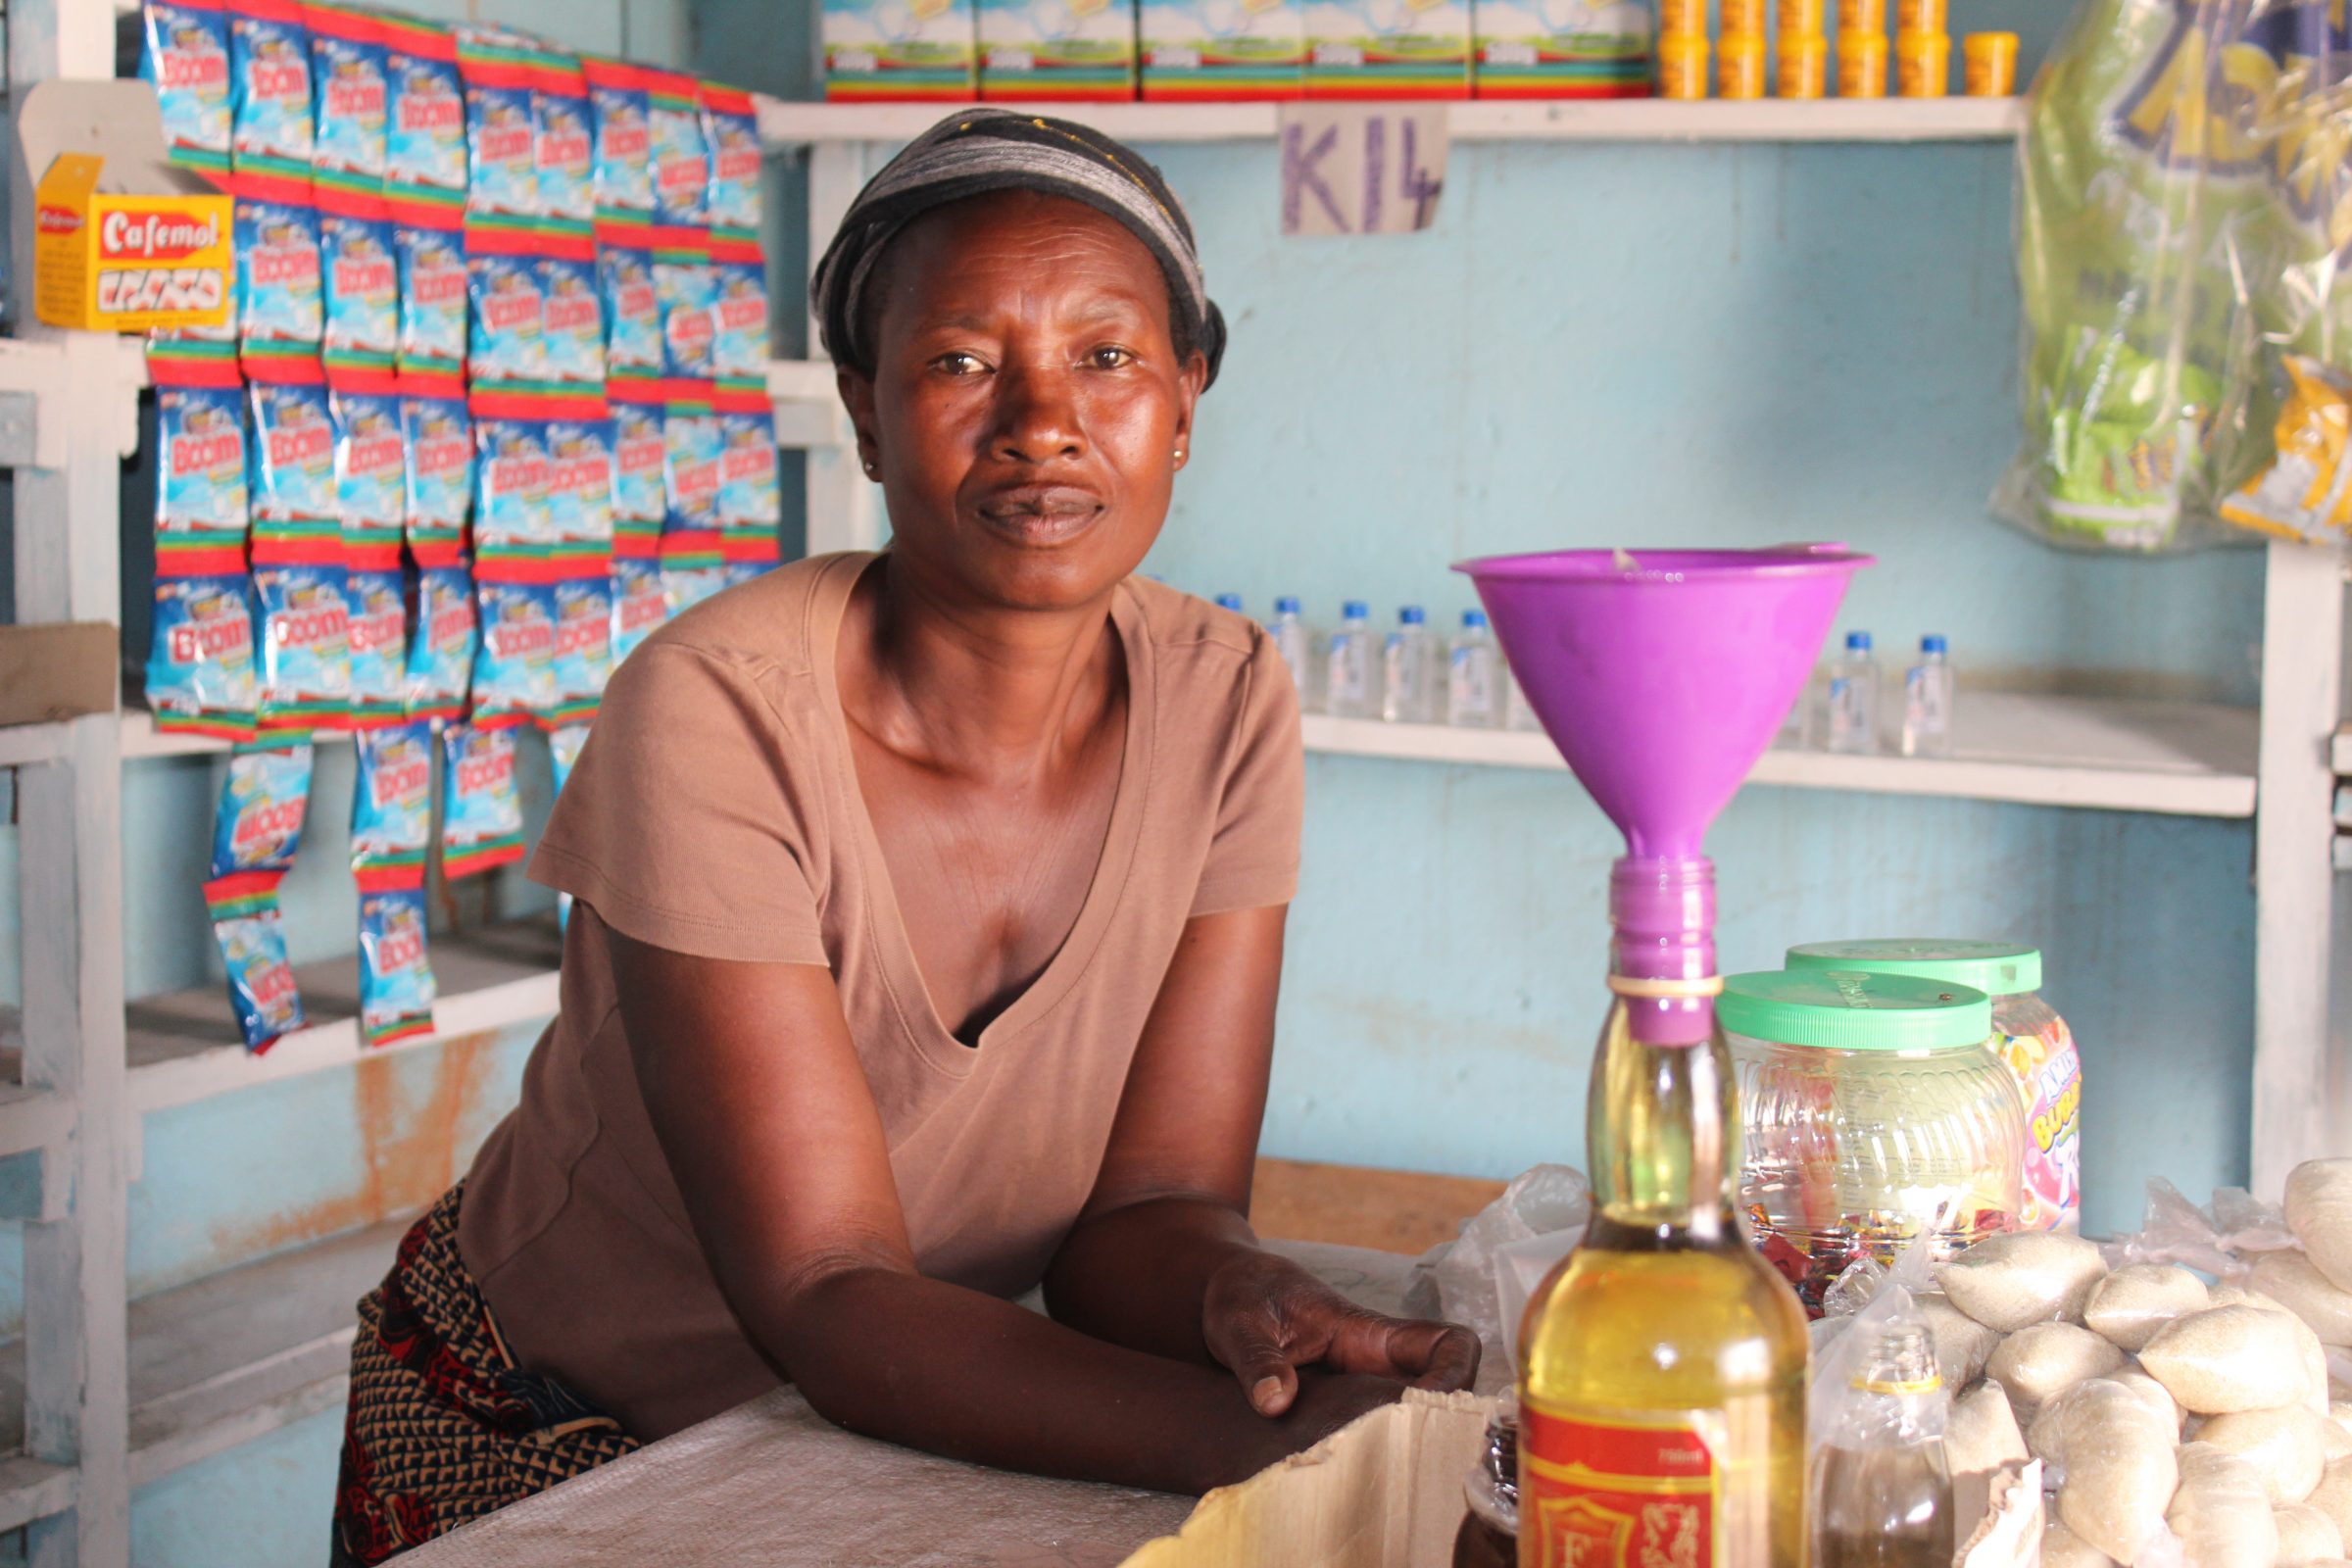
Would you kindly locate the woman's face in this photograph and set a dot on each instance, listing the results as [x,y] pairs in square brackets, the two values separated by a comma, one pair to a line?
[1027,412]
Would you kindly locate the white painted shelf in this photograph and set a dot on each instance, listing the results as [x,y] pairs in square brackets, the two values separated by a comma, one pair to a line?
[1763,119]
[184,1045]
[29,745]
[2114,754]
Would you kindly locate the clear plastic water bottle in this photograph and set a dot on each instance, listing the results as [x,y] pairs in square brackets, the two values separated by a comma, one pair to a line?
[1288,630]
[1517,711]
[1348,663]
[1854,698]
[1928,702]
[1408,671]
[1472,692]
[1232,602]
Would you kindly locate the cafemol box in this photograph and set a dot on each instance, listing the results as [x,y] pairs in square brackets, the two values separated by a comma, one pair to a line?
[124,241]
[896,51]
[1388,48]
[1068,51]
[1222,51]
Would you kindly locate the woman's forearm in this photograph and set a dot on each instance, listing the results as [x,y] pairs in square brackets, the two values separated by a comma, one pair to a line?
[1136,1276]
[956,1372]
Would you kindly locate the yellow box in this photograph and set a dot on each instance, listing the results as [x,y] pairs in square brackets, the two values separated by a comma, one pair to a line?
[123,240]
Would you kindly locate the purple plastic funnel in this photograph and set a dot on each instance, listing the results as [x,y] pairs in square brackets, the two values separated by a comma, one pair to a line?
[1662,675]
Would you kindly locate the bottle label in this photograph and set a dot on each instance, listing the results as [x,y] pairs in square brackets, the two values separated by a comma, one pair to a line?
[2051,1072]
[1620,1488]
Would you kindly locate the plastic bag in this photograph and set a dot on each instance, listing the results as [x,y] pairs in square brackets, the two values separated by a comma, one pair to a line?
[2220,1242]
[2182,198]
[1482,1277]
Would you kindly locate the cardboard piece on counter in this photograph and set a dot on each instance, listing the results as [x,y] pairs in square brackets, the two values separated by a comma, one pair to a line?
[57,671]
[123,240]
[1383,1491]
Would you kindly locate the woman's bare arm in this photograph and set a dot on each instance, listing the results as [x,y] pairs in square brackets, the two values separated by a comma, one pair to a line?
[761,1107]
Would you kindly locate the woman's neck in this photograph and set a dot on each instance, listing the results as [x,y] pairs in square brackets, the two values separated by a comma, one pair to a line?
[975,690]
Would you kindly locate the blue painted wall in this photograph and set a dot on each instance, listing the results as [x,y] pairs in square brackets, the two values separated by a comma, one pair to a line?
[1594,345]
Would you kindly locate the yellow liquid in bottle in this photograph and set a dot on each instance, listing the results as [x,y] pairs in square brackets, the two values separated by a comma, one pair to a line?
[1668,1346]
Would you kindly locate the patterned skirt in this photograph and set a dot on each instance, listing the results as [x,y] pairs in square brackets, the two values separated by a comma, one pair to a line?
[443,1427]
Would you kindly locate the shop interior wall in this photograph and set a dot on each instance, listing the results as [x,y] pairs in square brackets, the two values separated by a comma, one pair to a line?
[1600,345]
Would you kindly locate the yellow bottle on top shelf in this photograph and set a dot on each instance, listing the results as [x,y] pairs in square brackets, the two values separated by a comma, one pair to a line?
[1989,64]
[1861,64]
[1682,65]
[1682,19]
[1739,65]
[1804,65]
[1860,16]
[1922,64]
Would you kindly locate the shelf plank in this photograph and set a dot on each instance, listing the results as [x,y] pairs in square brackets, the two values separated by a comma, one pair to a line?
[2112,754]
[32,1118]
[31,1490]
[1766,119]
[184,1045]
[30,745]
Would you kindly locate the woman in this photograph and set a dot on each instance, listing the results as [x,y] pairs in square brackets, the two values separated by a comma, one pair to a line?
[929,919]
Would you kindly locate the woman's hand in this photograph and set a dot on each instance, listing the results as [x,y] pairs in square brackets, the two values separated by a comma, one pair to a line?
[1263,1317]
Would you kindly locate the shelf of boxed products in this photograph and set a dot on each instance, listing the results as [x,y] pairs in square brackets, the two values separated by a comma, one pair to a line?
[2111,753]
[219,1362]
[184,1045]
[1765,119]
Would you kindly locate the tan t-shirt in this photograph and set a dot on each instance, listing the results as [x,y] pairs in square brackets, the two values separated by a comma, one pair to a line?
[715,811]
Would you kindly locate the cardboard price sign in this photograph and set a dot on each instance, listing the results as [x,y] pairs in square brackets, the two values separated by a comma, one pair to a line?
[1361,167]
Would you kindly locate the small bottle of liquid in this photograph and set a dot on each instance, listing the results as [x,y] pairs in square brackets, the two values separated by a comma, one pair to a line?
[1348,663]
[1408,669]
[1928,702]
[1288,633]
[1470,667]
[1853,706]
[1880,1488]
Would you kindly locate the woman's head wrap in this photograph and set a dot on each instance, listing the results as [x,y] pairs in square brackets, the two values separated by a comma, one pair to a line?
[978,149]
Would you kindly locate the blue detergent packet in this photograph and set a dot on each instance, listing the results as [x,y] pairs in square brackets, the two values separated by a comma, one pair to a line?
[279,291]
[201,673]
[439,449]
[749,490]
[305,642]
[579,480]
[739,320]
[640,454]
[681,158]
[696,451]
[639,605]
[632,311]
[501,161]
[510,474]
[379,644]
[688,586]
[506,318]
[396,976]
[261,989]
[200,479]
[371,467]
[740,573]
[269,108]
[571,322]
[583,641]
[392,800]
[349,105]
[185,57]
[293,449]
[481,813]
[361,270]
[624,163]
[441,654]
[565,150]
[514,672]
[258,825]
[432,297]
[424,141]
[732,131]
[688,291]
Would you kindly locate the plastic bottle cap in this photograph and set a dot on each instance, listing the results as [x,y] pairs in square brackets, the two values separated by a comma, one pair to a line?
[1474,619]
[1229,601]
[1355,609]
[1996,968]
[1852,1009]
[1857,642]
[1409,615]
[1930,644]
[1286,606]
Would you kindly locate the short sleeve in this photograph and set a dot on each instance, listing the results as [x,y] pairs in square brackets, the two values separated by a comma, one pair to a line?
[1253,858]
[686,820]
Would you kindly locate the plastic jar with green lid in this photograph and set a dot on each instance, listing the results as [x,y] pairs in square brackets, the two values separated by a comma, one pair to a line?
[2032,1039]
[1873,1107]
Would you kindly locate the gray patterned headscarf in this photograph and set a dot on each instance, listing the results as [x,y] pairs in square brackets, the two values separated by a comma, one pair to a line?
[986,149]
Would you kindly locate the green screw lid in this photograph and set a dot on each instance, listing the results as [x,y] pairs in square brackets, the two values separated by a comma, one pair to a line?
[1853,1009]
[1996,968]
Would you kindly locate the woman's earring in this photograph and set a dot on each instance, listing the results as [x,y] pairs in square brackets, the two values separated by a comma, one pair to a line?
[872,470]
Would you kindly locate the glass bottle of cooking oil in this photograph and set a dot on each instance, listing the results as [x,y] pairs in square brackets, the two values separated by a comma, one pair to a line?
[1662,1381]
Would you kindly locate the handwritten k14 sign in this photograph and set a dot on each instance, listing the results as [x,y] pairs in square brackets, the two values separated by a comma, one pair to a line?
[1361,167]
